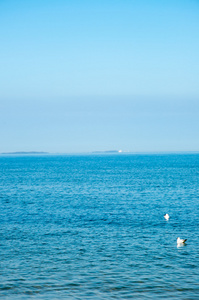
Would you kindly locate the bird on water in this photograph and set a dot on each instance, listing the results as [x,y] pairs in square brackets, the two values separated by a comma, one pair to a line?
[181,241]
[166,216]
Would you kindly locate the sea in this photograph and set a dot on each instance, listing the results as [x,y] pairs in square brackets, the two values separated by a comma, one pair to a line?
[92,226]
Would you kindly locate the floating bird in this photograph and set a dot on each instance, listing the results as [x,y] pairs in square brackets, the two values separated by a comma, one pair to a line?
[181,241]
[166,216]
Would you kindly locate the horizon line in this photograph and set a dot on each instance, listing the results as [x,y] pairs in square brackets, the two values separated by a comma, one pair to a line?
[98,152]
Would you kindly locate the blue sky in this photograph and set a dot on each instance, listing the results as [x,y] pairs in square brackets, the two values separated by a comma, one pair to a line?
[80,76]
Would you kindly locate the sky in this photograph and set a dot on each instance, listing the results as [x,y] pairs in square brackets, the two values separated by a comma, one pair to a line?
[83,76]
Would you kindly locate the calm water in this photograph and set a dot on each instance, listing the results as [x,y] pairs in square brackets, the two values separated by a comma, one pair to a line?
[92,227]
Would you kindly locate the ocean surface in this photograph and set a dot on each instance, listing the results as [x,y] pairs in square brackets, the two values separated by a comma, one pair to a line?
[93,227]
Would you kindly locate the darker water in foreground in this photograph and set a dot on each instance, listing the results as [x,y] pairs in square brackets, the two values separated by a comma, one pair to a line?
[92,227]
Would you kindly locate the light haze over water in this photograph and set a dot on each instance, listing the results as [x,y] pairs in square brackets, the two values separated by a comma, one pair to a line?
[84,76]
[79,76]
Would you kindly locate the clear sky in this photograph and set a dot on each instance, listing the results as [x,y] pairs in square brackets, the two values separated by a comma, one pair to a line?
[80,76]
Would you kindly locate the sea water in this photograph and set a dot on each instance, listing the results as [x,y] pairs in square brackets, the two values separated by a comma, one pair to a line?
[93,227]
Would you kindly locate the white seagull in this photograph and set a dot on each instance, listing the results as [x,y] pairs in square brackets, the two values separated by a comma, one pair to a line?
[166,216]
[181,241]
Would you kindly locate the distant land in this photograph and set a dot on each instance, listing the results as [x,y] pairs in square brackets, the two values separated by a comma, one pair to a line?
[98,152]
[23,152]
[108,151]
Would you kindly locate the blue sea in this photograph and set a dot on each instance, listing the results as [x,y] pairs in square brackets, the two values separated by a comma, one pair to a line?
[93,227]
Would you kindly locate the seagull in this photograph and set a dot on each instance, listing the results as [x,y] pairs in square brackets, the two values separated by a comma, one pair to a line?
[181,241]
[166,216]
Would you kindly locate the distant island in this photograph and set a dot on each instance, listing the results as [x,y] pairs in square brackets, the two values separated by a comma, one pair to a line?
[108,151]
[23,152]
